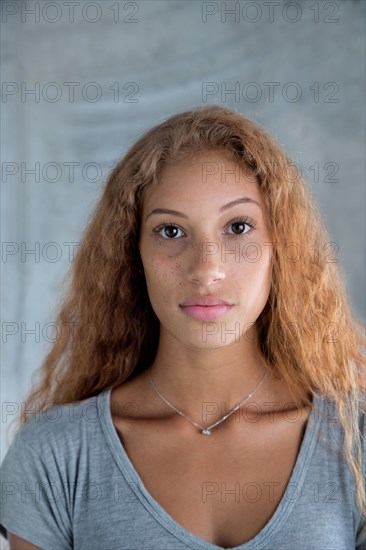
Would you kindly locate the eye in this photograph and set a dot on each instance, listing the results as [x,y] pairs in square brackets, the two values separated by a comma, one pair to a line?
[239,224]
[168,231]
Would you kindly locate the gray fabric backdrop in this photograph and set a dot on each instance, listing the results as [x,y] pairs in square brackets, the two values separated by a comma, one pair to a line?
[82,80]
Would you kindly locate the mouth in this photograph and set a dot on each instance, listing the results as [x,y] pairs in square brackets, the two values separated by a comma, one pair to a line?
[205,301]
[206,313]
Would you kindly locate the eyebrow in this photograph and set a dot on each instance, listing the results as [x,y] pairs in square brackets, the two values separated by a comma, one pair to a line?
[221,209]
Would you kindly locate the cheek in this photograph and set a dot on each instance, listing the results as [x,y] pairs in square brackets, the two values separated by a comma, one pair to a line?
[255,253]
[253,273]
[162,274]
[253,259]
[163,286]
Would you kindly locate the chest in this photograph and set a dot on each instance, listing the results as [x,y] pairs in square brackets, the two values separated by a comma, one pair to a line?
[223,488]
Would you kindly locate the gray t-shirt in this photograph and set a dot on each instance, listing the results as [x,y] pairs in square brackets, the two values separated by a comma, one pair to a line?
[67,482]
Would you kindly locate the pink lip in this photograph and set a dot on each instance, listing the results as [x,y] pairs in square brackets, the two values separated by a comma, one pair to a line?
[206,312]
[205,301]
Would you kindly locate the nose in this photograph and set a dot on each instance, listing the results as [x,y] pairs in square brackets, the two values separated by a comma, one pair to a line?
[205,264]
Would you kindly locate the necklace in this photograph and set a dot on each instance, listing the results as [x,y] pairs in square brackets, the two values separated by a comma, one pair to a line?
[206,431]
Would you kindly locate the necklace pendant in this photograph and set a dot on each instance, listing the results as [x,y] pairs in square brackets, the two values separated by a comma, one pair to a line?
[206,432]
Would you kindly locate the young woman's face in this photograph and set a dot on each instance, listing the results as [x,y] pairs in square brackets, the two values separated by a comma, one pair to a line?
[203,233]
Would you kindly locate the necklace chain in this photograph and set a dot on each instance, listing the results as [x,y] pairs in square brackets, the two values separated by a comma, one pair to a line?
[207,430]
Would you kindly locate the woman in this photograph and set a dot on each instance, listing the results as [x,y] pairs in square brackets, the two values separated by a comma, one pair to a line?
[211,391]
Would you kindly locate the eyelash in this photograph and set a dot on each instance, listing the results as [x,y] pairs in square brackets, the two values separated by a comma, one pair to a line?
[248,221]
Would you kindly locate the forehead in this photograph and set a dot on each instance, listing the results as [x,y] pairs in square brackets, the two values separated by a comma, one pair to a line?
[214,174]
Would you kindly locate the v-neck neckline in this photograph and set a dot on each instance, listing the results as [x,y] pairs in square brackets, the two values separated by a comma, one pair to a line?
[263,537]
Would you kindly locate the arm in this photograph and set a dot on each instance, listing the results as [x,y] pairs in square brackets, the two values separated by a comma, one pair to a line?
[16,543]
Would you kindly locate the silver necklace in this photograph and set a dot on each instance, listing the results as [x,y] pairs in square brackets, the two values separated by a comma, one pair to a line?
[207,430]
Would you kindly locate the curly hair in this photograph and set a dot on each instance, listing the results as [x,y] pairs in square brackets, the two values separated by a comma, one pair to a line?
[110,333]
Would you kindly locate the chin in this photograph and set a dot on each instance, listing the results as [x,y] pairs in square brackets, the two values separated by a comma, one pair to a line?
[207,341]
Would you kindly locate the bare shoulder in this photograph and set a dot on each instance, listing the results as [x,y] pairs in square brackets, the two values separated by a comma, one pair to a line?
[16,543]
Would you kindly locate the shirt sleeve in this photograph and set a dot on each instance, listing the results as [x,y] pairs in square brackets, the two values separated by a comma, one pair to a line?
[33,500]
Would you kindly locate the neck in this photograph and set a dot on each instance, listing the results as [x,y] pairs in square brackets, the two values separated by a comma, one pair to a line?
[206,384]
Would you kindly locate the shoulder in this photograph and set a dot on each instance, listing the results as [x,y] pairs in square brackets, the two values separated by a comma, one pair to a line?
[333,422]
[328,410]
[60,428]
[41,470]
[334,431]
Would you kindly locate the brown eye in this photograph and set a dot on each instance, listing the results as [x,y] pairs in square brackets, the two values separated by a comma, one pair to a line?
[238,227]
[170,231]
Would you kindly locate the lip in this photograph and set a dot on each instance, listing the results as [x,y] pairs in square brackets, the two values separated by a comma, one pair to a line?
[205,301]
[206,313]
